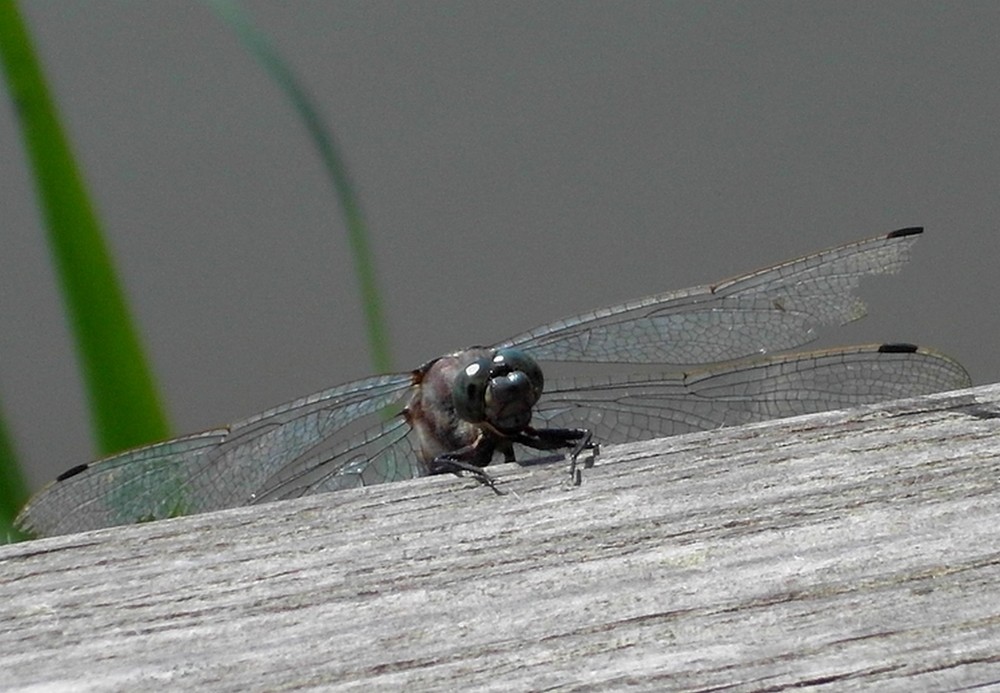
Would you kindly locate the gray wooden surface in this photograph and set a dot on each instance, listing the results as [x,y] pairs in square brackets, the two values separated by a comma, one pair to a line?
[842,551]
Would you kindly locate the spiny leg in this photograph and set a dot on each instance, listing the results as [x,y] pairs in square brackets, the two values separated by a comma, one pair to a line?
[469,460]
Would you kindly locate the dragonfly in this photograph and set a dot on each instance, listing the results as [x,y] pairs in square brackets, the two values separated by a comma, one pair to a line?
[719,354]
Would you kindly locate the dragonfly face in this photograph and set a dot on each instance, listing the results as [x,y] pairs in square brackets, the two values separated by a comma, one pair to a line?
[715,348]
[497,388]
[471,404]
[464,396]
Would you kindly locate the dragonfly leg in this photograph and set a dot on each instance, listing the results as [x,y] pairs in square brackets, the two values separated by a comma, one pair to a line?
[469,460]
[585,443]
[576,439]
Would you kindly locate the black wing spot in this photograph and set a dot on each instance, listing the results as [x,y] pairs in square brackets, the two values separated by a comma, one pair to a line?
[909,231]
[73,472]
[898,348]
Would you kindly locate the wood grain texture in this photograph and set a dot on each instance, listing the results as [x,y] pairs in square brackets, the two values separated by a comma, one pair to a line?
[842,551]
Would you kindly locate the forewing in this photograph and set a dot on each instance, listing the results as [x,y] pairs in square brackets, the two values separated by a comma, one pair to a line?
[769,310]
[217,469]
[624,409]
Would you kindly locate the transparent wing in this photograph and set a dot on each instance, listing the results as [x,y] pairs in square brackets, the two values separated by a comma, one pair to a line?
[339,438]
[216,469]
[258,448]
[633,408]
[379,454]
[132,486]
[772,309]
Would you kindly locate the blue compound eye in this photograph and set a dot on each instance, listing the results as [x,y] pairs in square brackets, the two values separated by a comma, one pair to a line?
[513,360]
[500,390]
[468,393]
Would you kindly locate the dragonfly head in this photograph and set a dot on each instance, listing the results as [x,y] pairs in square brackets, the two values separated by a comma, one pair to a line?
[500,390]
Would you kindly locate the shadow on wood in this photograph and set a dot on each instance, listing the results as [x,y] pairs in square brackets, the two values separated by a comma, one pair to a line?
[846,550]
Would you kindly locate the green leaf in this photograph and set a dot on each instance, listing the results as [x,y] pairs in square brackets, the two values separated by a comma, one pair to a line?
[13,489]
[124,407]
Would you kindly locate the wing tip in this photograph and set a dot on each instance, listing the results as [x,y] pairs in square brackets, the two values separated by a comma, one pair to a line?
[908,231]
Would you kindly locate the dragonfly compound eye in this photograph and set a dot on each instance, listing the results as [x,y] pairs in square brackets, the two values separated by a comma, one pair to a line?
[515,360]
[501,390]
[468,393]
[509,401]
[513,389]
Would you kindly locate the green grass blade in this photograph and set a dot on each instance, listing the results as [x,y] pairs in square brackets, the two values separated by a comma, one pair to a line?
[124,407]
[13,488]
[231,12]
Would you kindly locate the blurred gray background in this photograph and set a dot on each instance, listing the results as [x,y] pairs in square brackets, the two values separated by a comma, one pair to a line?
[518,162]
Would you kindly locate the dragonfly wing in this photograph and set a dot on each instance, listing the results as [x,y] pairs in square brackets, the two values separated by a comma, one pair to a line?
[258,448]
[379,454]
[624,409]
[133,486]
[217,469]
[772,309]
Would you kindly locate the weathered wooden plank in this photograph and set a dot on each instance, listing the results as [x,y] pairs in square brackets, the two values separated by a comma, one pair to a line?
[844,551]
